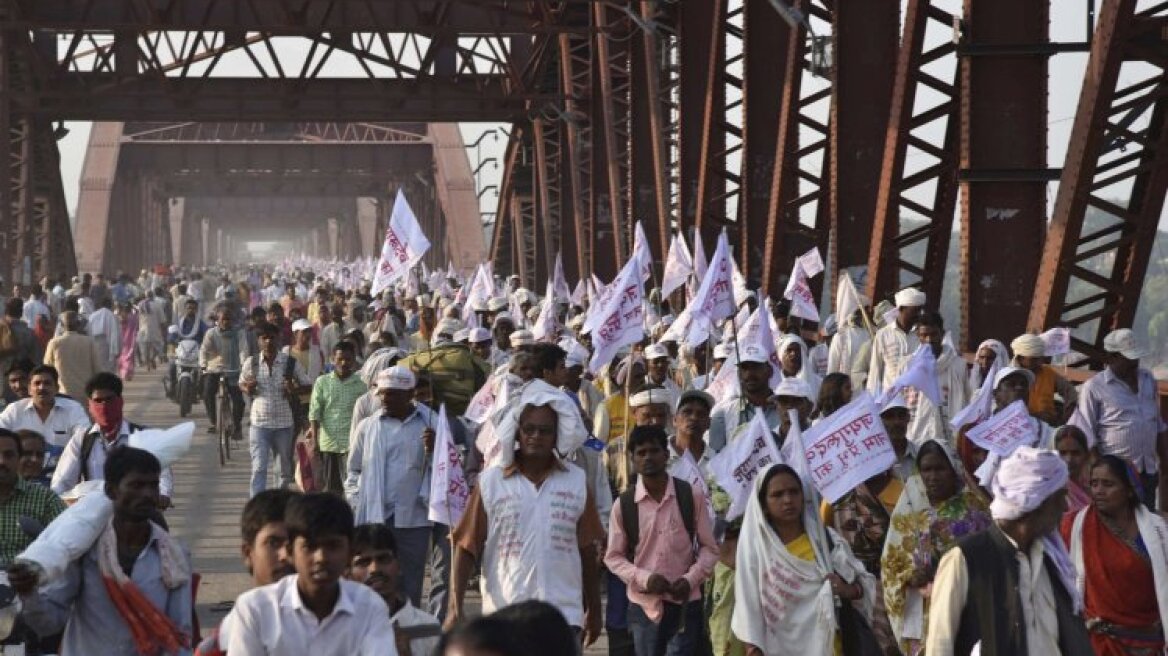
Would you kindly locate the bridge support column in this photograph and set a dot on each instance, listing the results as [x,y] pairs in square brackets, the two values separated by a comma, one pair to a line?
[205,229]
[332,238]
[174,210]
[367,226]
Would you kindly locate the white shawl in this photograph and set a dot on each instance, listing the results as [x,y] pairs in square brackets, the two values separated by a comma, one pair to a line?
[367,494]
[1154,531]
[784,604]
[806,369]
[570,430]
[927,421]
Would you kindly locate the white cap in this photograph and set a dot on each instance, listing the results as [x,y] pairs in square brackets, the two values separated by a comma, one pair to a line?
[1009,371]
[654,351]
[909,297]
[461,336]
[897,401]
[1124,342]
[448,327]
[396,377]
[522,338]
[300,324]
[650,396]
[504,316]
[752,353]
[577,355]
[477,335]
[796,387]
[496,304]
[721,352]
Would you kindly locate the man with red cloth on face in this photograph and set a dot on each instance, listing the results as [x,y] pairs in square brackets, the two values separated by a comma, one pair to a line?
[86,452]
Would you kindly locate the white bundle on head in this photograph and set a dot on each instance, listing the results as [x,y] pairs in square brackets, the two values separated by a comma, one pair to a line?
[1025,479]
[570,429]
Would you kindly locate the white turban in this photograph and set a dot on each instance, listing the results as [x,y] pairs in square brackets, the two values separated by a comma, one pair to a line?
[650,396]
[570,430]
[909,297]
[1028,346]
[1025,479]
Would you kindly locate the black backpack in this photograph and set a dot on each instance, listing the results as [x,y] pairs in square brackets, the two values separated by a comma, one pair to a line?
[630,520]
[87,443]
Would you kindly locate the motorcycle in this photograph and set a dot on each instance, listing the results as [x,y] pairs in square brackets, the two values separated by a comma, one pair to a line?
[186,382]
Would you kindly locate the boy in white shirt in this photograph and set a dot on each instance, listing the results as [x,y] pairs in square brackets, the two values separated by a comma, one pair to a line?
[316,612]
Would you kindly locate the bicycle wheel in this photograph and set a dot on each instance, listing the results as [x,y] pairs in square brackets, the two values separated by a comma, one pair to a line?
[224,425]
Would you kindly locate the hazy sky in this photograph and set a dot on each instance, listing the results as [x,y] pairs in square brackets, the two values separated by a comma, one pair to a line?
[1066,70]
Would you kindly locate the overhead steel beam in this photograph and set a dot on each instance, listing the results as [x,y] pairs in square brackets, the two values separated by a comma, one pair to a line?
[429,17]
[1003,127]
[1113,184]
[102,97]
[651,87]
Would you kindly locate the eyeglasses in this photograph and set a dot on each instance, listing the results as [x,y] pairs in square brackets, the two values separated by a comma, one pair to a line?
[535,430]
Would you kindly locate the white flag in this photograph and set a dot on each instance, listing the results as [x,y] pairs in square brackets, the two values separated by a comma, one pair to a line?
[725,384]
[404,245]
[920,373]
[1057,341]
[758,330]
[982,403]
[579,294]
[449,491]
[1007,430]
[847,299]
[812,262]
[714,300]
[799,292]
[641,252]
[687,469]
[678,266]
[560,284]
[620,320]
[744,458]
[480,292]
[546,323]
[700,263]
[847,448]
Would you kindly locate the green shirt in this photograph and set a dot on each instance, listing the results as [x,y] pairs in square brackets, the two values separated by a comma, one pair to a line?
[30,500]
[332,405]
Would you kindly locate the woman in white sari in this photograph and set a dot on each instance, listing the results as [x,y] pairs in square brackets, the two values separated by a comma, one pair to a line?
[790,573]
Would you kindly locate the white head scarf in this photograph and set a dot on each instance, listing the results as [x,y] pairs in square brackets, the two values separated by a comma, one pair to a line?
[1001,359]
[570,430]
[782,600]
[805,368]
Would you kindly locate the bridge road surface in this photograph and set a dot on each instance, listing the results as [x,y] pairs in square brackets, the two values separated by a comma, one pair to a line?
[209,499]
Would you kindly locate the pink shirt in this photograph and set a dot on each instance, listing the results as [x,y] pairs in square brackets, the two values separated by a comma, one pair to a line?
[664,547]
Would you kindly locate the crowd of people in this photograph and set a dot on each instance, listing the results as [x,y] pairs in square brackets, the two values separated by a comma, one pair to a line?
[584,502]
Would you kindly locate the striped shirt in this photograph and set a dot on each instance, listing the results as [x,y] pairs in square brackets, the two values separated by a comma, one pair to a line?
[1123,422]
[332,405]
[269,407]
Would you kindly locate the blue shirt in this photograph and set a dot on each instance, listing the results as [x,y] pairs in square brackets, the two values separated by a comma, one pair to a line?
[80,605]
[400,453]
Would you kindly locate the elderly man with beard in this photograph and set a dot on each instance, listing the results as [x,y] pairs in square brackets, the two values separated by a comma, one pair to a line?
[1012,587]
[531,524]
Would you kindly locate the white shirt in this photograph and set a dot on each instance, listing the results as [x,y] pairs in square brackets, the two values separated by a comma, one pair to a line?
[32,309]
[66,417]
[69,470]
[409,615]
[531,550]
[274,620]
[891,348]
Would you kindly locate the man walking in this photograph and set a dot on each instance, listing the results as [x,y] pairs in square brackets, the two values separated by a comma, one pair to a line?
[330,413]
[895,343]
[1012,587]
[74,354]
[386,480]
[271,378]
[651,548]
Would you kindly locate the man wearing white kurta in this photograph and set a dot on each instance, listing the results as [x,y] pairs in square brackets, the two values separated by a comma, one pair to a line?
[928,422]
[531,523]
[104,328]
[895,343]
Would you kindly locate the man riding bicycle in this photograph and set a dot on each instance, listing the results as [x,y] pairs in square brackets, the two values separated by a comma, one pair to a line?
[224,348]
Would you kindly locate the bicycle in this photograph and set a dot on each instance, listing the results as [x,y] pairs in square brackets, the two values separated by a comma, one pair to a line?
[225,422]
